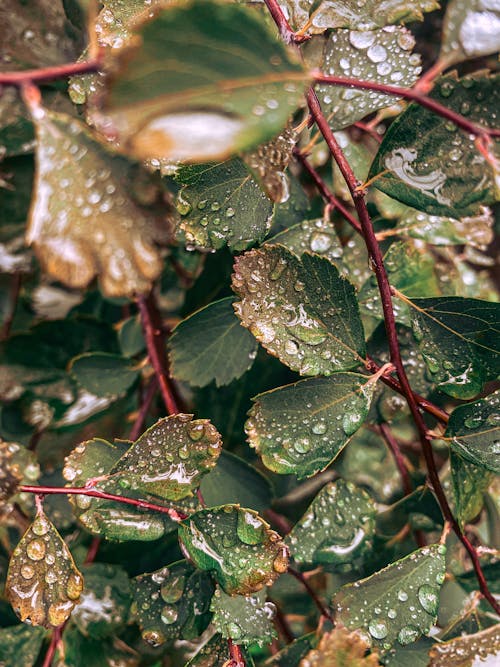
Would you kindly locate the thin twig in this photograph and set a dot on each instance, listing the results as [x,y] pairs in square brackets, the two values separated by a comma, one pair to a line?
[175,515]
[393,445]
[323,609]
[157,351]
[54,642]
[237,659]
[49,73]
[414,95]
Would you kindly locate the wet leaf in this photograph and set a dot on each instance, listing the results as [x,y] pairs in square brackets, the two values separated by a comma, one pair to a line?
[338,648]
[20,645]
[165,106]
[244,619]
[364,15]
[43,584]
[130,336]
[83,220]
[426,162]
[474,432]
[302,311]
[412,271]
[381,55]
[211,345]
[221,203]
[301,428]
[104,602]
[293,652]
[35,35]
[467,649]
[11,473]
[475,231]
[172,602]
[469,485]
[417,653]
[214,653]
[336,528]
[236,545]
[471,28]
[458,340]
[81,651]
[234,480]
[397,604]
[269,161]
[317,236]
[103,374]
[113,520]
[169,459]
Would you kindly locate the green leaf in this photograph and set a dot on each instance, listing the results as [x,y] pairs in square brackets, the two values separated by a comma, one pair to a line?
[211,345]
[471,28]
[301,428]
[43,584]
[81,651]
[426,162]
[233,480]
[416,654]
[236,545]
[411,270]
[292,654]
[469,484]
[474,432]
[172,602]
[396,604]
[458,339]
[130,336]
[104,602]
[164,105]
[214,653]
[244,619]
[317,236]
[302,311]
[383,56]
[20,645]
[336,528]
[366,15]
[169,459]
[83,220]
[221,203]
[104,374]
[114,520]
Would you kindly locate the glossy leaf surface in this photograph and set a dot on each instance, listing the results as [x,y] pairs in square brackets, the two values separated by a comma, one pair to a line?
[471,29]
[104,374]
[43,584]
[236,545]
[336,528]
[302,311]
[469,485]
[245,619]
[430,164]
[474,432]
[211,345]
[165,105]
[302,427]
[317,236]
[396,604]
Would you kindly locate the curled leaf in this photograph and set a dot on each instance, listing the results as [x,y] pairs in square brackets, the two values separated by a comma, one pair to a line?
[43,584]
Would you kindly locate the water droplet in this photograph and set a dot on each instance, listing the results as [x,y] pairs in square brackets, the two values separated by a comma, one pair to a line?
[407,635]
[169,614]
[377,53]
[196,432]
[320,243]
[291,347]
[302,445]
[27,572]
[428,598]
[173,588]
[319,428]
[361,39]
[41,525]
[36,549]
[402,596]
[377,629]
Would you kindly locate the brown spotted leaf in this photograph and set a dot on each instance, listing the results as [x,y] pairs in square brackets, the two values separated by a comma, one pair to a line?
[83,219]
[43,584]
[466,650]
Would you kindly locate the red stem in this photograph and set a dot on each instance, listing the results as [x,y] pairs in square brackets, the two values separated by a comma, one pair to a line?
[393,445]
[237,659]
[54,641]
[410,94]
[49,73]
[323,609]
[154,336]
[376,258]
[174,514]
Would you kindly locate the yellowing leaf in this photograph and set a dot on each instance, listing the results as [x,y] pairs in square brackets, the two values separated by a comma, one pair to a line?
[467,650]
[43,584]
[83,219]
[340,648]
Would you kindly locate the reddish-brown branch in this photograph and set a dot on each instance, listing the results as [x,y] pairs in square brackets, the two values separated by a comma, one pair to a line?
[154,336]
[237,659]
[138,425]
[376,259]
[175,515]
[322,608]
[49,73]
[415,96]
[286,31]
[393,445]
[54,642]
